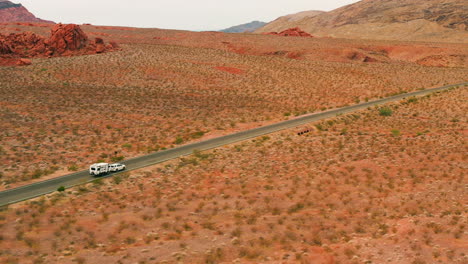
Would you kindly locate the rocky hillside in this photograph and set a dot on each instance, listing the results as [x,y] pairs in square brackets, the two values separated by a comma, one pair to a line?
[289,21]
[248,27]
[417,20]
[10,12]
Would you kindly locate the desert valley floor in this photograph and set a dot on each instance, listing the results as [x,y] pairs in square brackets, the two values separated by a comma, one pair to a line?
[374,186]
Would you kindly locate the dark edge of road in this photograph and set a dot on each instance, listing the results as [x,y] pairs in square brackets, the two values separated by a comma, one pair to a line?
[70,180]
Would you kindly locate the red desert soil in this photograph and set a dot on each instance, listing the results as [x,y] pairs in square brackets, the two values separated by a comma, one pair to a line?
[64,113]
[383,185]
[229,69]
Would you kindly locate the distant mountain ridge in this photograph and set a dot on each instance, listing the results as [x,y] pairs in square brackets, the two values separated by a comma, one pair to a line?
[11,12]
[8,4]
[414,20]
[248,27]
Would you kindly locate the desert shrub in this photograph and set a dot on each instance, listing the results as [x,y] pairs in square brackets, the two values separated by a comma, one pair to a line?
[117,158]
[320,127]
[61,188]
[130,240]
[117,179]
[198,134]
[295,208]
[250,253]
[236,232]
[37,174]
[418,261]
[179,140]
[349,252]
[98,182]
[396,132]
[73,167]
[127,146]
[385,111]
[200,155]
[214,256]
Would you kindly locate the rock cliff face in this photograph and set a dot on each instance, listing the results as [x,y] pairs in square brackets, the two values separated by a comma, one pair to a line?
[10,12]
[65,40]
[413,20]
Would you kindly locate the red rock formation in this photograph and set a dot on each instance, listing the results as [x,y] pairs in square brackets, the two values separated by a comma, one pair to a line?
[25,44]
[65,40]
[5,47]
[24,62]
[100,46]
[114,45]
[292,32]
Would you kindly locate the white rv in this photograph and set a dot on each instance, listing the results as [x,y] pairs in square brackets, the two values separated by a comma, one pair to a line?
[99,169]
[103,168]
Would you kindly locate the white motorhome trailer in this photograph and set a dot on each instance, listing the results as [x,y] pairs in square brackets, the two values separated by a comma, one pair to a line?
[99,169]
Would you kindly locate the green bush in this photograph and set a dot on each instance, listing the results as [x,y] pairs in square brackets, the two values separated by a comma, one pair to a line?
[385,111]
[61,189]
[396,132]
[179,140]
[127,146]
[198,134]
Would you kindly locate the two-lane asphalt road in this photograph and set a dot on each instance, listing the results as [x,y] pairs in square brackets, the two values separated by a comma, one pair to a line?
[48,186]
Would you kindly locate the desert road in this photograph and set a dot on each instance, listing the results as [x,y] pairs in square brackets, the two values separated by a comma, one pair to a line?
[44,187]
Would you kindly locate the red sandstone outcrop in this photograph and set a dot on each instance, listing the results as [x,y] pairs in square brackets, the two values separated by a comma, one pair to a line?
[23,44]
[5,47]
[100,46]
[65,40]
[291,32]
[24,62]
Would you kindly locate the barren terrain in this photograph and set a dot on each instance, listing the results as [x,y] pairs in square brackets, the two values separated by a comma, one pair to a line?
[410,20]
[383,185]
[171,87]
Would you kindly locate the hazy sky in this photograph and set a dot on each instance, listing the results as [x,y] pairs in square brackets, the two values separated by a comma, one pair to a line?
[172,14]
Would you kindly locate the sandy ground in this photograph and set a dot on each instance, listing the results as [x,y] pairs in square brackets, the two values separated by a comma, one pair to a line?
[375,186]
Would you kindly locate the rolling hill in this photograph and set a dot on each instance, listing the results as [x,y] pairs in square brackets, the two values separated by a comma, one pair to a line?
[248,27]
[407,20]
[10,12]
